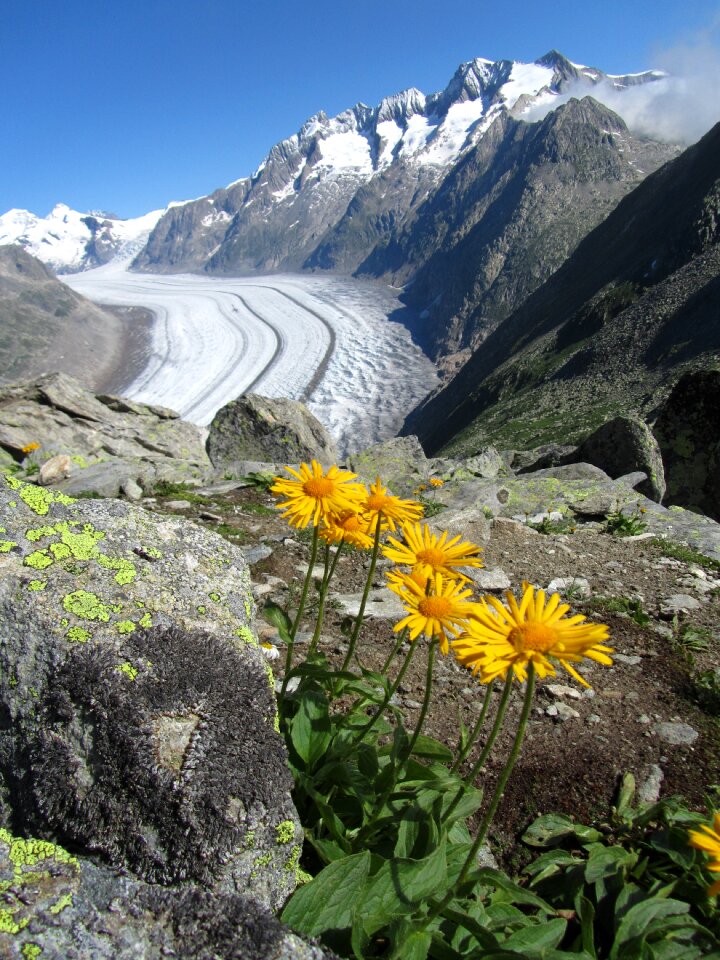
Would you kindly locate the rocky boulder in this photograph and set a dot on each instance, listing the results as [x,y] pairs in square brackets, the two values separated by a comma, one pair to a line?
[688,431]
[400,463]
[138,709]
[621,446]
[260,428]
[110,441]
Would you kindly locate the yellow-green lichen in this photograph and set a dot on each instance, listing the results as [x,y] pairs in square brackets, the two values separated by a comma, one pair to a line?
[8,924]
[78,635]
[37,585]
[31,951]
[126,571]
[285,831]
[292,861]
[88,606]
[38,560]
[245,634]
[37,533]
[80,461]
[125,626]
[62,903]
[145,621]
[215,597]
[152,552]
[7,545]
[201,609]
[128,670]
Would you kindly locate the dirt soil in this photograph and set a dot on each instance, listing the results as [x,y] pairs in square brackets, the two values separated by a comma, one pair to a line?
[579,742]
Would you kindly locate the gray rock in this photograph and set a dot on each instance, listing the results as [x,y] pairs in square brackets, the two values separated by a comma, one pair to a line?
[577,587]
[131,490]
[400,463]
[72,907]
[624,445]
[487,463]
[488,579]
[649,789]
[678,734]
[688,431]
[678,603]
[380,604]
[469,523]
[254,554]
[67,420]
[264,429]
[140,717]
[564,711]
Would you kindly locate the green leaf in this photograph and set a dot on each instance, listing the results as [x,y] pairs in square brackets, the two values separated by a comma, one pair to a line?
[311,731]
[410,944]
[328,901]
[399,885]
[638,921]
[552,829]
[534,939]
[607,862]
[278,618]
[416,835]
[433,749]
[516,894]
[585,912]
[328,850]
[483,936]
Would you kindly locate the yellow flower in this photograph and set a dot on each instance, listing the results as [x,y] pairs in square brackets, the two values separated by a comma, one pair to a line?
[393,509]
[707,839]
[29,447]
[441,611]
[500,638]
[314,494]
[436,482]
[432,554]
[398,580]
[349,526]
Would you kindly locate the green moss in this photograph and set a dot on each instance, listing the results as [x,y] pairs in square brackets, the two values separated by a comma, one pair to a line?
[125,626]
[78,635]
[38,560]
[37,585]
[128,670]
[88,606]
[285,831]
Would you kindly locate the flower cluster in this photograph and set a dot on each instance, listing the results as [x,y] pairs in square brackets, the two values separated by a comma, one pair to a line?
[707,839]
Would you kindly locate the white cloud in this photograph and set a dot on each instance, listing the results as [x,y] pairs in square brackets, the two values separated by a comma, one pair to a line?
[678,108]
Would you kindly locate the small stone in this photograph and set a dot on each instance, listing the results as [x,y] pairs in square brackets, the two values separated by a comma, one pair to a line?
[629,661]
[212,517]
[577,587]
[593,718]
[678,734]
[649,789]
[678,603]
[644,719]
[562,690]
[55,469]
[131,490]
[293,684]
[566,712]
[257,553]
[178,504]
[552,710]
[489,579]
[412,704]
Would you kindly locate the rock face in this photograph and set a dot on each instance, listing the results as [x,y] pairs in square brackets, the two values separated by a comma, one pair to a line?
[274,430]
[139,713]
[621,446]
[110,440]
[688,430]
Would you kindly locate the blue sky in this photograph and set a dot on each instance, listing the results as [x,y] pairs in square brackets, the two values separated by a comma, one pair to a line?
[125,105]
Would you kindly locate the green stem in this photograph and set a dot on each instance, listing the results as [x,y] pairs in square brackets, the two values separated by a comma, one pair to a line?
[301,607]
[327,577]
[485,753]
[366,594]
[494,802]
[388,697]
[463,754]
[428,690]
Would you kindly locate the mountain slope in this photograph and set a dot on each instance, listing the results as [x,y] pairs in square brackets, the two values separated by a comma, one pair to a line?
[326,197]
[610,331]
[45,326]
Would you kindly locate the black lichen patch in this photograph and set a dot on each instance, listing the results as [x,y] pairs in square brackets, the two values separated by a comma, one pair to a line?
[100,775]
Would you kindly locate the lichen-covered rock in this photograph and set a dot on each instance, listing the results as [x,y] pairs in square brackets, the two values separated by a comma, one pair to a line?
[264,429]
[625,445]
[140,715]
[400,463]
[688,431]
[103,436]
[57,906]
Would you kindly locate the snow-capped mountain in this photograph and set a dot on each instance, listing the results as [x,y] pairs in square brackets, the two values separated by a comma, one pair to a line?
[292,213]
[68,241]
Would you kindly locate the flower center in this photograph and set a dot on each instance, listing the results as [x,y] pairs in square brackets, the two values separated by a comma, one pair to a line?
[319,487]
[351,524]
[436,608]
[431,556]
[533,636]
[376,502]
